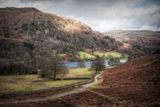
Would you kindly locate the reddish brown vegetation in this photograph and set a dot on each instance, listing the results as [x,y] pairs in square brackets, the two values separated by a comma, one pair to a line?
[83,99]
[137,81]
[34,95]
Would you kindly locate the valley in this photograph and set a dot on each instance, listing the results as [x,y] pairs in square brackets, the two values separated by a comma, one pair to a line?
[48,60]
[108,92]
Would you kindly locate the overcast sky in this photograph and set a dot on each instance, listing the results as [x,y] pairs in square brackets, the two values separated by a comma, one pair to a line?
[101,15]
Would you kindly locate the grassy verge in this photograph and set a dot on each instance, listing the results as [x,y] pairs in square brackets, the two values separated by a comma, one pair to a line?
[26,83]
[79,73]
[84,55]
[109,54]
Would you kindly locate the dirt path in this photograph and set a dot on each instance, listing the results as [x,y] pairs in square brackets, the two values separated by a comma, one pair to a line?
[52,97]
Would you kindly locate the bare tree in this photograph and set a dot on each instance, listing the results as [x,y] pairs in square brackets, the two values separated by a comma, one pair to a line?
[98,64]
[58,68]
[42,66]
[81,64]
[114,61]
[51,67]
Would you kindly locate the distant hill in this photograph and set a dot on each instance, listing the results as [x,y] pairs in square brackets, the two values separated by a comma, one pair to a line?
[27,32]
[137,80]
[137,43]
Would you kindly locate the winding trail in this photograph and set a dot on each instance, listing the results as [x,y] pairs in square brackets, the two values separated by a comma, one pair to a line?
[97,79]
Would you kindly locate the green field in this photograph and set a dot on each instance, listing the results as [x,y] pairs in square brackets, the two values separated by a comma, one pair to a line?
[85,55]
[26,83]
[79,73]
[125,57]
[109,54]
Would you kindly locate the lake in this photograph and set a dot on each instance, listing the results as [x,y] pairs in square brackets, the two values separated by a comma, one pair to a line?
[87,63]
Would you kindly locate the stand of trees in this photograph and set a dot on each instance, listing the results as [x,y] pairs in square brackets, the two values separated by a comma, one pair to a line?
[81,64]
[114,61]
[51,67]
[98,64]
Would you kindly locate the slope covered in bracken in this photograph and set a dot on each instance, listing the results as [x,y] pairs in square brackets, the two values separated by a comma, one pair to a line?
[137,81]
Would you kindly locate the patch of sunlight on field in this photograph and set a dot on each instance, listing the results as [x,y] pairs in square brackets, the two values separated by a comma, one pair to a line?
[79,73]
[84,55]
[18,78]
[110,54]
[60,83]
[125,57]
[25,83]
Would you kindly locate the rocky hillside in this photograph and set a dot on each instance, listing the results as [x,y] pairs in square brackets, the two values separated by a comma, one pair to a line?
[137,43]
[27,32]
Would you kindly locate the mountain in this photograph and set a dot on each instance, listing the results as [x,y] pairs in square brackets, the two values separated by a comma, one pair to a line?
[137,43]
[26,33]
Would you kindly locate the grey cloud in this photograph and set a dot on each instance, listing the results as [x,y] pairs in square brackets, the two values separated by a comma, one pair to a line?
[101,14]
